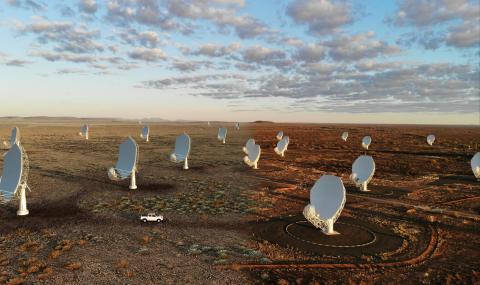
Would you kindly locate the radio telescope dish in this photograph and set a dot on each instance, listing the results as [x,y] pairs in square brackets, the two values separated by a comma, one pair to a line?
[14,137]
[237,126]
[282,146]
[145,133]
[366,141]
[84,131]
[253,155]
[250,143]
[362,171]
[13,182]
[475,163]
[279,136]
[345,136]
[182,150]
[127,163]
[222,134]
[208,124]
[430,139]
[327,199]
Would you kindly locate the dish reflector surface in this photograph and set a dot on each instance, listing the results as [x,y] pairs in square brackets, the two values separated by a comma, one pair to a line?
[366,141]
[84,129]
[253,155]
[145,131]
[344,136]
[279,135]
[475,163]
[250,143]
[430,139]
[182,148]
[12,172]
[222,133]
[127,158]
[363,169]
[282,145]
[15,136]
[328,196]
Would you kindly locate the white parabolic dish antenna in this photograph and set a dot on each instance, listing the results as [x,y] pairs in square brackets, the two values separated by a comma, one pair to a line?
[126,163]
[222,134]
[14,178]
[182,150]
[282,146]
[430,139]
[14,137]
[279,135]
[475,163]
[253,155]
[366,141]
[145,133]
[250,143]
[84,131]
[345,136]
[362,171]
[327,199]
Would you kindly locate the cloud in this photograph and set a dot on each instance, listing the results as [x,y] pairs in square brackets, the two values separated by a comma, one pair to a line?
[429,40]
[17,62]
[28,4]
[66,36]
[190,65]
[457,21]
[421,13]
[465,35]
[245,26]
[145,12]
[88,6]
[388,87]
[65,56]
[216,50]
[266,56]
[310,53]
[147,54]
[321,16]
[359,46]
[149,39]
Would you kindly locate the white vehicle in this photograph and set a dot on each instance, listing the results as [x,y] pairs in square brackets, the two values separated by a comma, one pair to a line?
[152,217]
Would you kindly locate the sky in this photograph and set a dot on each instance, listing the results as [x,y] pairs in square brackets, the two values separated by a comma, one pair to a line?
[321,61]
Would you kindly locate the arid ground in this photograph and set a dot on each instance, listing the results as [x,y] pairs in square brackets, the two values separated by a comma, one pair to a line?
[229,224]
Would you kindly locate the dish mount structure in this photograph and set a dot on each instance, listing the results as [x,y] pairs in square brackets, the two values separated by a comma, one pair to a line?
[253,155]
[13,183]
[363,169]
[222,135]
[327,199]
[127,163]
[145,133]
[84,131]
[182,150]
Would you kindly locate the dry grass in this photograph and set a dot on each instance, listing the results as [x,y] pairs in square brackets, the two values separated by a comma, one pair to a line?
[146,239]
[29,246]
[123,263]
[73,266]
[15,281]
[55,254]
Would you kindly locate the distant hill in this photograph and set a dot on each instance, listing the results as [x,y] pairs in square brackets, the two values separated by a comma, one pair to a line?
[263,122]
